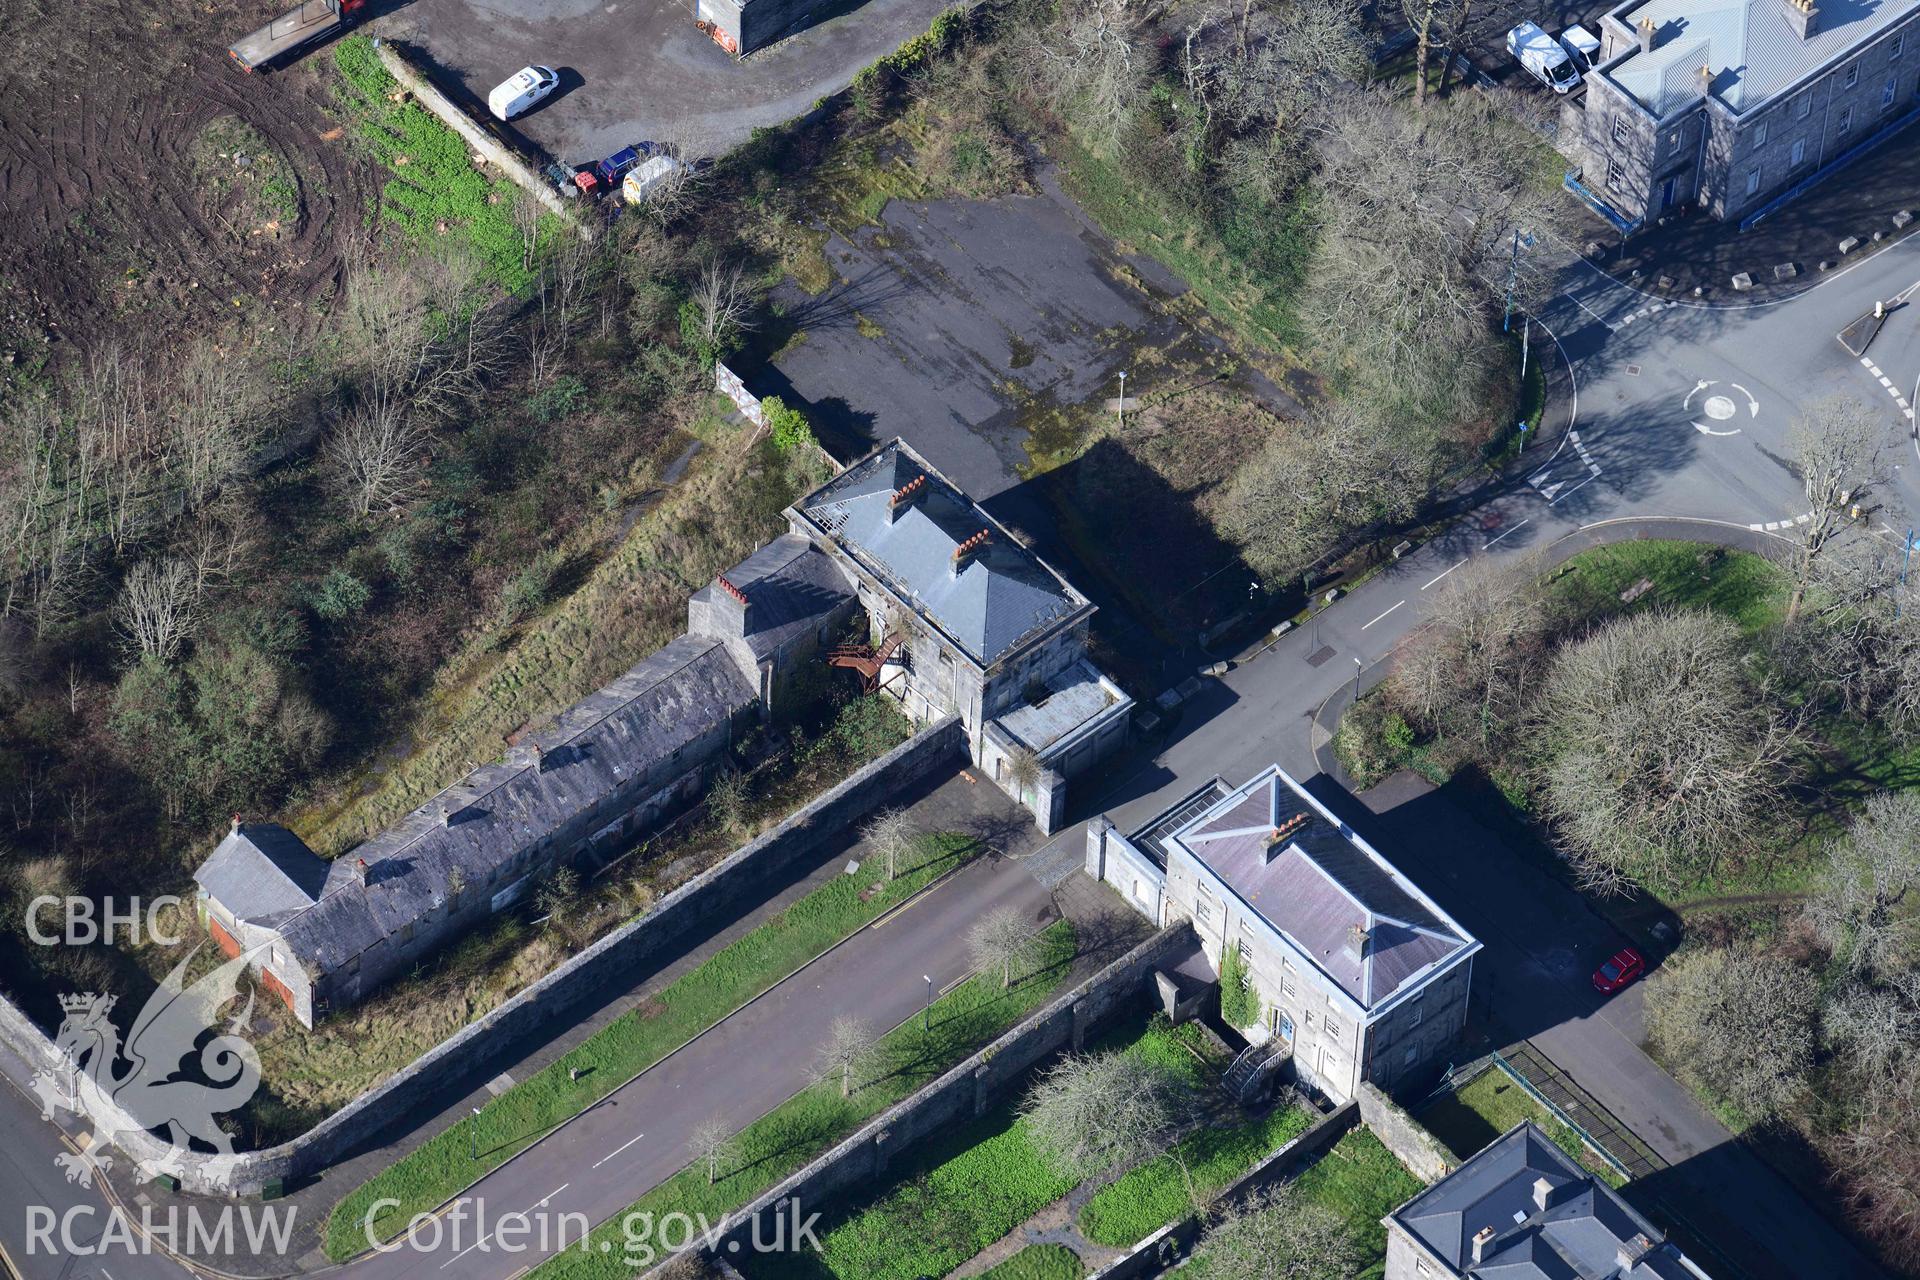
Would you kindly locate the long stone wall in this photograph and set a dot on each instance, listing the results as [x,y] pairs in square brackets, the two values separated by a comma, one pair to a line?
[484,1046]
[1406,1137]
[966,1090]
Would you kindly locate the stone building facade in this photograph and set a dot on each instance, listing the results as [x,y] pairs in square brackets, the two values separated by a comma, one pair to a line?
[1733,106]
[1359,975]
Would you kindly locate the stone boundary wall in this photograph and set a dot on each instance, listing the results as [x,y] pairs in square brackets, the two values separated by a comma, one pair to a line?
[728,384]
[965,1091]
[478,136]
[1172,1242]
[1406,1137]
[480,1048]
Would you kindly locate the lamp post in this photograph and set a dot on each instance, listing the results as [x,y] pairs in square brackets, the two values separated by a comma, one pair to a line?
[473,1135]
[926,1013]
[1357,669]
[1513,275]
[1122,409]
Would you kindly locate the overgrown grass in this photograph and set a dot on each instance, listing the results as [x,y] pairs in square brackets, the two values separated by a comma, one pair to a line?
[1489,1105]
[786,1138]
[1038,1262]
[1151,1195]
[966,1188]
[1360,1179]
[1741,586]
[441,1168]
[435,186]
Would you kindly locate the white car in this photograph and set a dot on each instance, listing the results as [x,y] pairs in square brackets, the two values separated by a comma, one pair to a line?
[521,90]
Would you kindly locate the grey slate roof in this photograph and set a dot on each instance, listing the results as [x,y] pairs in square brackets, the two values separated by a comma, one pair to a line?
[1003,594]
[263,873]
[1319,884]
[661,705]
[1752,51]
[790,586]
[1587,1232]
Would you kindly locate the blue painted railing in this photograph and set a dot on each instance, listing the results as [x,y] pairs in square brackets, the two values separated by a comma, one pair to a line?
[1840,161]
[1599,206]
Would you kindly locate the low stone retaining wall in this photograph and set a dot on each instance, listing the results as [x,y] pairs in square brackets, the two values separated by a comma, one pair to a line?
[966,1090]
[1406,1137]
[479,1049]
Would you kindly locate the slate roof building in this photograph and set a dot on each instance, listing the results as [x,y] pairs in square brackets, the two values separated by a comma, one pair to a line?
[1359,975]
[1735,106]
[328,933]
[965,620]
[1523,1210]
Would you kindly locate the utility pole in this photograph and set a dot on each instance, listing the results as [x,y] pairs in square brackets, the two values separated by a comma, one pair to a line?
[1513,277]
[473,1136]
[926,1014]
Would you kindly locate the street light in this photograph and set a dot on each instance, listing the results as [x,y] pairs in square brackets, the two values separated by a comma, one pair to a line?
[1357,669]
[473,1136]
[926,1016]
[1123,400]
[1513,275]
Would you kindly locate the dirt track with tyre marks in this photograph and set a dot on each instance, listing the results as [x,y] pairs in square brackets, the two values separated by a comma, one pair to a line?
[106,229]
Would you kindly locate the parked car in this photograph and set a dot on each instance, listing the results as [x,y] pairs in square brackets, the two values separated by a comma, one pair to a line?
[518,92]
[1583,45]
[1543,57]
[1620,969]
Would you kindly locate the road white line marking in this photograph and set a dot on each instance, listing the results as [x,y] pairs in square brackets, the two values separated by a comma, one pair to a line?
[1443,573]
[551,1194]
[1515,529]
[1583,484]
[1866,362]
[1394,607]
[1590,311]
[617,1150]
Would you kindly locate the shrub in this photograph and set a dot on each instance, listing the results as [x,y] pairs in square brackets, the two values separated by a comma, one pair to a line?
[340,595]
[788,426]
[1239,1002]
[558,399]
[530,588]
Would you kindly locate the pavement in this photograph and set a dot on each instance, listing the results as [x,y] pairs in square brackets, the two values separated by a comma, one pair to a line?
[634,70]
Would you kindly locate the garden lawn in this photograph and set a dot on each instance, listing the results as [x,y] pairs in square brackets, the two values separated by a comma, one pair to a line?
[799,1129]
[1362,1181]
[1151,1195]
[441,1169]
[1038,1262]
[965,1188]
[1490,1104]
[1743,587]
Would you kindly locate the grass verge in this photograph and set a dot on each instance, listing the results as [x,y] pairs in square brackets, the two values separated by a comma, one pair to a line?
[1360,1179]
[1038,1262]
[441,1168]
[1151,1195]
[799,1129]
[1490,1104]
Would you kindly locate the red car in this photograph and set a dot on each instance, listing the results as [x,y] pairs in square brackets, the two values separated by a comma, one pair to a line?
[1617,972]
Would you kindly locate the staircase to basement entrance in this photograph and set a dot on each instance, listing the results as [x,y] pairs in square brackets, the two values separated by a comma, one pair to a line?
[1244,1074]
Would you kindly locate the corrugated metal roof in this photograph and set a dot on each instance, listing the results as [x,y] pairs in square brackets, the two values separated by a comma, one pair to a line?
[1318,884]
[1002,593]
[1748,46]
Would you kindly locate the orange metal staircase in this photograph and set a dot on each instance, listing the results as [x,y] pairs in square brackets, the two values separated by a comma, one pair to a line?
[865,659]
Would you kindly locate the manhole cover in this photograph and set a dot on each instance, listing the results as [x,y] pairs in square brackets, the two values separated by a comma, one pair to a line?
[1320,655]
[1633,371]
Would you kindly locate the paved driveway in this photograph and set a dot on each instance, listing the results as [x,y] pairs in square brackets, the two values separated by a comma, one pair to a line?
[640,69]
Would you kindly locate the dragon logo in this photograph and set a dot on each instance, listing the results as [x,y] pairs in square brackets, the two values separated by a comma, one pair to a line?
[149,1084]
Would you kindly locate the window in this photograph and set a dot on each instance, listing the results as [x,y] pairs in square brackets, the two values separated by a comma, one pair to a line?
[1246,957]
[1853,75]
[1330,1003]
[1420,1265]
[1846,122]
[1332,1027]
[1799,151]
[1202,909]
[1760,134]
[1616,180]
[1621,129]
[1893,49]
[1804,108]
[1419,1011]
[1286,985]
[1887,91]
[1753,181]
[1413,1055]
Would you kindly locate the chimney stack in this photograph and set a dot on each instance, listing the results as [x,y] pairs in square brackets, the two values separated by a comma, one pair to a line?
[1646,29]
[1481,1239]
[235,828]
[539,758]
[742,605]
[1542,1193]
[1280,836]
[360,869]
[1803,16]
[1628,1255]
[1357,945]
[446,814]
[964,552]
[904,496]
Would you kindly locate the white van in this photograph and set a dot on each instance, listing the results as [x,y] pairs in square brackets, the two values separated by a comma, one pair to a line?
[1543,57]
[520,91]
[1584,46]
[640,182]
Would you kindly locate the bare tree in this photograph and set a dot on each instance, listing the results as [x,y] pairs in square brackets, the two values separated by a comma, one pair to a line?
[724,298]
[712,1143]
[1095,62]
[1660,755]
[1002,939]
[1858,634]
[1839,448]
[1091,1113]
[1878,1162]
[1867,908]
[847,1053]
[378,455]
[1470,669]
[1740,1022]
[1876,1029]
[890,833]
[1279,1234]
[159,606]
[217,404]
